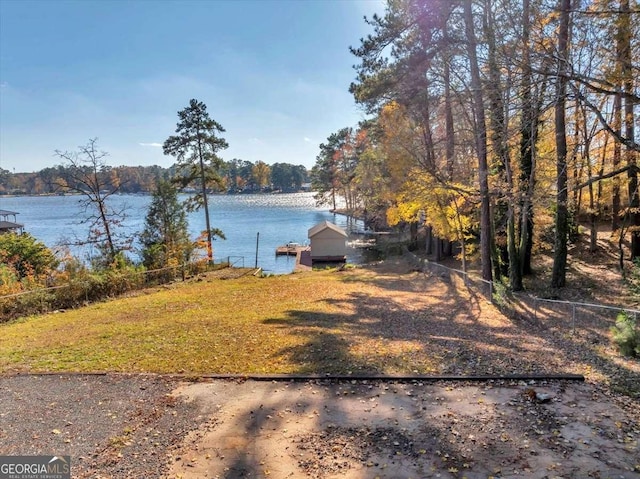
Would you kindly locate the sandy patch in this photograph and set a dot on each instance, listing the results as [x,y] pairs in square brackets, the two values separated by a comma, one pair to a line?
[324,429]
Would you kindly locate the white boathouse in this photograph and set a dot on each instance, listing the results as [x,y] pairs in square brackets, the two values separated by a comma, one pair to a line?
[328,242]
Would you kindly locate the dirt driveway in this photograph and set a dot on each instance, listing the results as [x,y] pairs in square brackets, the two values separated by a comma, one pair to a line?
[369,429]
[139,426]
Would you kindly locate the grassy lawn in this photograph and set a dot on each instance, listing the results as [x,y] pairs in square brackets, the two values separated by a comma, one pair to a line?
[281,324]
[381,320]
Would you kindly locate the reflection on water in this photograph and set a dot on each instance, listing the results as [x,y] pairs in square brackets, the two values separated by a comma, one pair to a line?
[279,218]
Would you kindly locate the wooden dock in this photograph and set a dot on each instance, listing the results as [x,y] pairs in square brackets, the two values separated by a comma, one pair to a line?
[288,250]
[303,260]
[302,254]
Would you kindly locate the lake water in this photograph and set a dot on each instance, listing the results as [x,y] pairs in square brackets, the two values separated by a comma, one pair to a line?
[279,218]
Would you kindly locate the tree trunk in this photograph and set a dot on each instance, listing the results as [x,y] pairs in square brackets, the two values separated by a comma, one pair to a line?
[106,223]
[598,200]
[206,205]
[413,233]
[461,239]
[481,144]
[528,135]
[499,138]
[629,123]
[594,209]
[559,274]
[578,167]
[447,248]
[593,238]
[448,119]
[617,155]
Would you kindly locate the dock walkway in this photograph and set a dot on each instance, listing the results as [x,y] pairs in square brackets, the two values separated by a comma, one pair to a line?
[302,254]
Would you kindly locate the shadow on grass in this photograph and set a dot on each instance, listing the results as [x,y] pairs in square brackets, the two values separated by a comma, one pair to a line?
[429,325]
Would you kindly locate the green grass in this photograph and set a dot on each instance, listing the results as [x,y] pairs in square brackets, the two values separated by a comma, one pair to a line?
[358,321]
[279,324]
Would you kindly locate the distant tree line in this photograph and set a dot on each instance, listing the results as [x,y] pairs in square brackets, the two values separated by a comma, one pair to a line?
[198,170]
[164,246]
[238,176]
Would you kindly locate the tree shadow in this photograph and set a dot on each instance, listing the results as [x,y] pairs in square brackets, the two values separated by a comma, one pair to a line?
[420,324]
[357,428]
[404,429]
[426,325]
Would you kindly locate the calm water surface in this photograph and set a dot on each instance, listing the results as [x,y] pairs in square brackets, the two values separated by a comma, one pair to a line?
[278,218]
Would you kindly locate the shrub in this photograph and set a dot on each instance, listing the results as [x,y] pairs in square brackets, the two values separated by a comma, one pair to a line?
[626,335]
[75,285]
[27,256]
[9,281]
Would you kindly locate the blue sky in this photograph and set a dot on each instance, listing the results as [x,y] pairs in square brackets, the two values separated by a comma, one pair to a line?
[275,74]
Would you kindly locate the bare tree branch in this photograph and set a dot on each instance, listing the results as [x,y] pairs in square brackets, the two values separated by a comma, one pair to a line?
[611,174]
[628,142]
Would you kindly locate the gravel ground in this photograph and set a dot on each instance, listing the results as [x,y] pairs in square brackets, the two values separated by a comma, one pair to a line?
[144,426]
[365,429]
[116,426]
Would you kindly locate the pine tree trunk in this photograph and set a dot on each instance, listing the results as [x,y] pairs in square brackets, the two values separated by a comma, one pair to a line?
[528,135]
[559,273]
[206,205]
[498,125]
[481,144]
[629,126]
[598,200]
[429,241]
[617,156]
[448,117]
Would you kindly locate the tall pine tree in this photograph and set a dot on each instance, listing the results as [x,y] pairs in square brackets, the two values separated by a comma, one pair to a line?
[195,148]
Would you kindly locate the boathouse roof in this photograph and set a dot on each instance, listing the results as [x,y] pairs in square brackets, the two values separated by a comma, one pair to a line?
[326,225]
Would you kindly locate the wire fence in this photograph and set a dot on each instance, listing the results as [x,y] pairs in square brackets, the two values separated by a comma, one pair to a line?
[578,317]
[235,261]
[96,286]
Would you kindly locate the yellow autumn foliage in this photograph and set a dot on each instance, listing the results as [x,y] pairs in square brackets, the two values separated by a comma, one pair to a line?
[416,194]
[446,207]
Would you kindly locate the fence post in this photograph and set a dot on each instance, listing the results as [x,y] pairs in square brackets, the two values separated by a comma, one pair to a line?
[535,308]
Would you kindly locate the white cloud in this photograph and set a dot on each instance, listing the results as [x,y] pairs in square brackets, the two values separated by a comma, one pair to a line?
[154,145]
[307,140]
